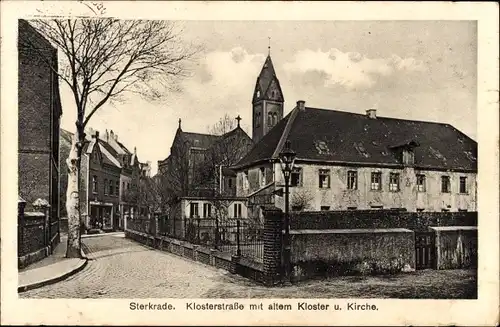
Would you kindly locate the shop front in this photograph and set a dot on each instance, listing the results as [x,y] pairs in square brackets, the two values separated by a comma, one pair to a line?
[101,216]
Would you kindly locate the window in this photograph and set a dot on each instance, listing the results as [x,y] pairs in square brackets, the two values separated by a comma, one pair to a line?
[128,186]
[230,182]
[394,182]
[245,180]
[111,188]
[193,210]
[325,208]
[324,178]
[352,180]
[262,172]
[117,190]
[94,184]
[463,184]
[376,181]
[296,177]
[420,183]
[257,119]
[352,208]
[105,187]
[207,210]
[445,184]
[237,210]
[270,119]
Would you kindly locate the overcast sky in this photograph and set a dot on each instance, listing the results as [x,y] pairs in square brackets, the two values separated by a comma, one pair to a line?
[418,70]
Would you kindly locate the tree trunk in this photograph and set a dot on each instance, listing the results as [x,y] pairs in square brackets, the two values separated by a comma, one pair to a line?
[73,198]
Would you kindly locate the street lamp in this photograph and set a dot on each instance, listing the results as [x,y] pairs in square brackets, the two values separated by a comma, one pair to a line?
[287,159]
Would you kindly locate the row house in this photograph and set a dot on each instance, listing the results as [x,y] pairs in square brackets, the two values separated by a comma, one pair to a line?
[110,175]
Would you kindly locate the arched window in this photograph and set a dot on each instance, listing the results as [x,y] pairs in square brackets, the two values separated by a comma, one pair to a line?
[270,119]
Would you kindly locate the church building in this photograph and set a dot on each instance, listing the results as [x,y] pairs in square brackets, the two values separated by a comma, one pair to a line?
[349,161]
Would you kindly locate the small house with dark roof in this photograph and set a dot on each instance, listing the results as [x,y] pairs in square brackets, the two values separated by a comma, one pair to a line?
[353,161]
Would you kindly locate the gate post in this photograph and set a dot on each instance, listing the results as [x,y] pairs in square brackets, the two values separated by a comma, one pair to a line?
[273,244]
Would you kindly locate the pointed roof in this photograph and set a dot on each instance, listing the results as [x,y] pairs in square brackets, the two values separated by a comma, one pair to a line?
[267,74]
[325,135]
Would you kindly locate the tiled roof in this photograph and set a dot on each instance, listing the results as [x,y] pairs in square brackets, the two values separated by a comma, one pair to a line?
[266,74]
[335,136]
[199,140]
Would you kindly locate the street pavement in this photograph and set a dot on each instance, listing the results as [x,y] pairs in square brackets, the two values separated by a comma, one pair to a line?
[121,268]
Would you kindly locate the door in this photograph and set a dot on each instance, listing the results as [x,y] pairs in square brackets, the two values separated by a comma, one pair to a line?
[425,250]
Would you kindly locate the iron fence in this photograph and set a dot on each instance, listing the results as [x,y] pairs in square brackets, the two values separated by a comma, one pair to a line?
[236,236]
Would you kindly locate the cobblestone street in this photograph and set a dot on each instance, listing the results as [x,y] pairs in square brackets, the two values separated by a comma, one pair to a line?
[121,268]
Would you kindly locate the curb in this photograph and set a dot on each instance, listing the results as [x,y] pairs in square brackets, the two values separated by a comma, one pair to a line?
[24,288]
[102,234]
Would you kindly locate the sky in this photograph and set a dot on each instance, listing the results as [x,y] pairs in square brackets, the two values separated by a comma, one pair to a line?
[421,70]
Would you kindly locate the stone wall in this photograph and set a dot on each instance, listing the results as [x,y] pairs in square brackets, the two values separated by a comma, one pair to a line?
[351,251]
[456,247]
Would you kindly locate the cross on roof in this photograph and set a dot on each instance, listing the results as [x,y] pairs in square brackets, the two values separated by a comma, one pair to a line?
[238,119]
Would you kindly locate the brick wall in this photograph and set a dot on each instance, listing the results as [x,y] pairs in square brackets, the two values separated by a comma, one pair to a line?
[273,218]
[417,221]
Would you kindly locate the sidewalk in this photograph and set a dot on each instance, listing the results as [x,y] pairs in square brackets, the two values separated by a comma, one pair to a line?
[52,269]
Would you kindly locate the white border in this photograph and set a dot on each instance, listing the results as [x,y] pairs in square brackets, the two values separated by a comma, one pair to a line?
[483,311]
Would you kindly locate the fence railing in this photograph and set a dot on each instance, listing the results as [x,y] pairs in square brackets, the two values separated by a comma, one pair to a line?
[236,236]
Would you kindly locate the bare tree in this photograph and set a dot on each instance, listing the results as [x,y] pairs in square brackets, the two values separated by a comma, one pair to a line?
[301,199]
[226,150]
[102,59]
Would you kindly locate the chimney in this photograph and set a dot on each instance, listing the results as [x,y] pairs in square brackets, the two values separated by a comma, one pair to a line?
[116,137]
[112,135]
[107,135]
[97,134]
[371,113]
[301,104]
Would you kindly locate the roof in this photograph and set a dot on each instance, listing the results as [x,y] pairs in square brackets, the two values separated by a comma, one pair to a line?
[266,74]
[199,140]
[66,136]
[326,135]
[109,155]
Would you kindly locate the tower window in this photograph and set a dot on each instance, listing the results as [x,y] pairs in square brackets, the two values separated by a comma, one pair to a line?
[258,94]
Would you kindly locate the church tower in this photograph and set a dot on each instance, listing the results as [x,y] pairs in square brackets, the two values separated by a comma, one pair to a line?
[267,101]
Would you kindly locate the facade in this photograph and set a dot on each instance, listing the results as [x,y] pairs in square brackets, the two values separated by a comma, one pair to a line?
[100,205]
[198,163]
[203,212]
[39,112]
[354,161]
[110,174]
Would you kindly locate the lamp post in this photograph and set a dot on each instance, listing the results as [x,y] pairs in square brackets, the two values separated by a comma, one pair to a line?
[287,158]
